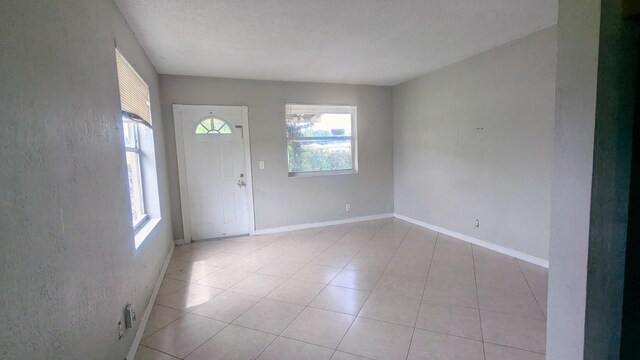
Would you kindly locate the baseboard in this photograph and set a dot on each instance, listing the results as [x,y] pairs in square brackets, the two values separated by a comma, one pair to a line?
[497,248]
[322,224]
[147,311]
[180,242]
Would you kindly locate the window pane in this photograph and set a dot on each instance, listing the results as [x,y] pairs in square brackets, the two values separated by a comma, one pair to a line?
[319,155]
[129,134]
[135,186]
[301,124]
[213,126]
[221,126]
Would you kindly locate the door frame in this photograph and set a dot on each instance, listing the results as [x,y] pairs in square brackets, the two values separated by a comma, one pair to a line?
[182,166]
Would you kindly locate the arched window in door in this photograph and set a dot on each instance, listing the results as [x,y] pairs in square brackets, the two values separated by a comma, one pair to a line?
[213,126]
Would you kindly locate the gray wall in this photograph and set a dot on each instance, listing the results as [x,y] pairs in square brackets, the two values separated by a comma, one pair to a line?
[473,140]
[578,31]
[68,264]
[280,200]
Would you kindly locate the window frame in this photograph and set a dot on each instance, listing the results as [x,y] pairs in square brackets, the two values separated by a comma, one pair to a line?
[142,145]
[213,130]
[138,153]
[325,108]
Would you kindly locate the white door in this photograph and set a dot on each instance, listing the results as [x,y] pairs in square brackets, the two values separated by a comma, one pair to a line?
[214,161]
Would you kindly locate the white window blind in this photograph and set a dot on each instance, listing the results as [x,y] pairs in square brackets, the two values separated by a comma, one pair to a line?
[134,93]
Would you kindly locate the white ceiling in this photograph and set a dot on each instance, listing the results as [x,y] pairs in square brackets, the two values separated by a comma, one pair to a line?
[380,42]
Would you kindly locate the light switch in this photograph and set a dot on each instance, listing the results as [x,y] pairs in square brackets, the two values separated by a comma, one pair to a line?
[261,165]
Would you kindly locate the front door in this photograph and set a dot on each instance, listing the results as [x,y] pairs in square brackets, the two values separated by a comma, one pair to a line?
[215,170]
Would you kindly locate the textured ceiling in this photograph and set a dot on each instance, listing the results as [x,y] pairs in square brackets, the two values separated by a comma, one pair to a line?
[381,42]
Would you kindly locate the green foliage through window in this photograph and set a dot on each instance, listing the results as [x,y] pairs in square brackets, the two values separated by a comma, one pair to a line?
[319,156]
[319,138]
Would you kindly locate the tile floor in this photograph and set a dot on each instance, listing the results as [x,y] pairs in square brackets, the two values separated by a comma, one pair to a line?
[381,289]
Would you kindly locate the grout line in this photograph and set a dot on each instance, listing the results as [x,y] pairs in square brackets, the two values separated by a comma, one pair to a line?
[306,342]
[219,268]
[283,237]
[251,307]
[160,351]
[370,292]
[169,323]
[307,240]
[164,327]
[475,279]
[474,241]
[513,315]
[378,320]
[211,337]
[531,289]
[433,252]
[346,352]
[329,283]
[320,290]
[289,338]
[451,304]
[341,313]
[355,317]
[344,267]
[516,348]
[265,296]
[448,334]
[374,285]
[190,283]
[290,277]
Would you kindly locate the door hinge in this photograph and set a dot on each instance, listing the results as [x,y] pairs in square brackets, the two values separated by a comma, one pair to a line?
[242,130]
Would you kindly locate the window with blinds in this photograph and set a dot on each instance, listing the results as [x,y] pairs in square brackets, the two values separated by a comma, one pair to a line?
[134,102]
[134,93]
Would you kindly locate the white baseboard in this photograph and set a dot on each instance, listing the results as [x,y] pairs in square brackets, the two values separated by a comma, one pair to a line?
[180,242]
[147,311]
[322,224]
[501,249]
[497,248]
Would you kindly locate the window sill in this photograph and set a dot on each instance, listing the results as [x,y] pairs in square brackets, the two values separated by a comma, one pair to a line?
[143,232]
[322,173]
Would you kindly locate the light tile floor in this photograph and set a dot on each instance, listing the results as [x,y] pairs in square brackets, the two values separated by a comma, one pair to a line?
[381,289]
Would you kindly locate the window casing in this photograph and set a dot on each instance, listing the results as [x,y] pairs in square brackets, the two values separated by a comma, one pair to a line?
[321,139]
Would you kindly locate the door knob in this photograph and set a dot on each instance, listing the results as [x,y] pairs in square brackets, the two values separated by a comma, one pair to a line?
[241,181]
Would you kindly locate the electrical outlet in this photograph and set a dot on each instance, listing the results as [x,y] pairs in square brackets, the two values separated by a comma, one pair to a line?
[129,316]
[120,332]
[261,164]
[348,207]
[477,223]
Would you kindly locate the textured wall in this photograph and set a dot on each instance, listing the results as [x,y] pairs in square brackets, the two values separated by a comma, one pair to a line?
[280,200]
[473,140]
[68,264]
